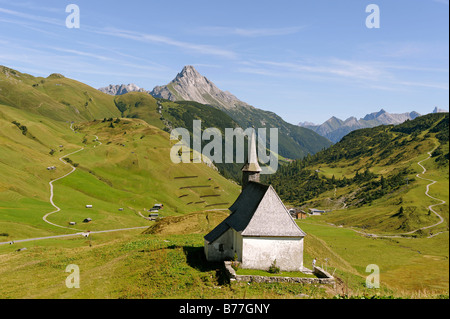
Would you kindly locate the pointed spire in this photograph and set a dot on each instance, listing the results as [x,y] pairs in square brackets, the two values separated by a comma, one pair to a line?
[251,169]
[252,164]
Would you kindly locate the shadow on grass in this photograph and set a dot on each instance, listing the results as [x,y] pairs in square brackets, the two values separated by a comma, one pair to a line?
[195,257]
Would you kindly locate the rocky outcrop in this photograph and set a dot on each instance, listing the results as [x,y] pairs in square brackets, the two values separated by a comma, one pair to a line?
[121,89]
[189,85]
[335,129]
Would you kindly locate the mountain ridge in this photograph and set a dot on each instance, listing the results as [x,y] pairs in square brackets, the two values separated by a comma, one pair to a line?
[121,89]
[335,129]
[190,85]
[373,167]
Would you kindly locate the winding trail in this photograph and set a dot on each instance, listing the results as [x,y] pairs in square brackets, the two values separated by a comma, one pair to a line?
[442,202]
[57,209]
[70,235]
[441,219]
[51,184]
[51,191]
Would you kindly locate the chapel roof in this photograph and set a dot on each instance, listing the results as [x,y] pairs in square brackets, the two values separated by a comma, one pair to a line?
[258,212]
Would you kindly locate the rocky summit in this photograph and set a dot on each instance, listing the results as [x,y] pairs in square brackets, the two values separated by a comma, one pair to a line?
[120,89]
[335,129]
[190,85]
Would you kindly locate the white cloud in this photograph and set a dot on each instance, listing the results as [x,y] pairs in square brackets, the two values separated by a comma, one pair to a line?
[446,2]
[443,86]
[246,32]
[33,17]
[203,49]
[330,67]
[373,74]
[32,6]
[158,39]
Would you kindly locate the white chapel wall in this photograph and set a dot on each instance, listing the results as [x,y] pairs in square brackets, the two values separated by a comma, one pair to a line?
[260,252]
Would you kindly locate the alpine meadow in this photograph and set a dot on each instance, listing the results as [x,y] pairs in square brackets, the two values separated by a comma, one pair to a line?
[171,187]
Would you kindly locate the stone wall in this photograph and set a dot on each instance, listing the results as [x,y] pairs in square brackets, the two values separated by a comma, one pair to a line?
[323,277]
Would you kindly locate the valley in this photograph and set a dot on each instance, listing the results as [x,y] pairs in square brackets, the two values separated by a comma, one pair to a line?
[70,152]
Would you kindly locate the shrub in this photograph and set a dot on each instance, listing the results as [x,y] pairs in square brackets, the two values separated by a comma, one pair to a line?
[273,269]
[235,263]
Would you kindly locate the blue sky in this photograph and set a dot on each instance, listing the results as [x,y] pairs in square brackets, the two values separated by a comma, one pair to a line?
[304,60]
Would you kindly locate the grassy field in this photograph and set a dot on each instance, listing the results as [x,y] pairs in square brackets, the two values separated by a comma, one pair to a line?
[167,261]
[127,265]
[407,265]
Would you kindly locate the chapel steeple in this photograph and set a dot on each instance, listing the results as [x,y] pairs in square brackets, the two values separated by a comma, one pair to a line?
[251,170]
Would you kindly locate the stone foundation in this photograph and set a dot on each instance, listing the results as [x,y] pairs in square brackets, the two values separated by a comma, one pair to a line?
[323,277]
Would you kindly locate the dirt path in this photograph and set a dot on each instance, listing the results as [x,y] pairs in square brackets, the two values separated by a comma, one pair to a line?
[51,191]
[57,209]
[51,184]
[441,219]
[71,235]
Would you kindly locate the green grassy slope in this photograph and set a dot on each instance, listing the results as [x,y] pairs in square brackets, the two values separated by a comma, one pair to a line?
[54,97]
[409,268]
[64,99]
[139,105]
[168,262]
[372,173]
[130,169]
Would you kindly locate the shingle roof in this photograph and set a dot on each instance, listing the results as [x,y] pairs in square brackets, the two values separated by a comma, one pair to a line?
[258,211]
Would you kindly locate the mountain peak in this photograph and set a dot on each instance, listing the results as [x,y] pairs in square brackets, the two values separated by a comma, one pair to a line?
[190,72]
[334,129]
[190,85]
[121,89]
[375,115]
[438,110]
[189,69]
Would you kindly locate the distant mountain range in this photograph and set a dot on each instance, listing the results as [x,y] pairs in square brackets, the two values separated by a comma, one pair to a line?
[335,129]
[189,85]
[373,165]
[295,141]
[121,89]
